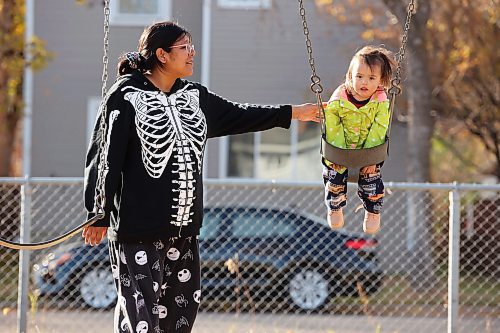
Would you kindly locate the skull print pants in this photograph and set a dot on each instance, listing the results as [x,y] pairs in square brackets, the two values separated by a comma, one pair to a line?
[370,189]
[158,285]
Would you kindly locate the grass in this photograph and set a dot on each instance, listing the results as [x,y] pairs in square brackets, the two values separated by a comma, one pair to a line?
[9,273]
[474,290]
[479,291]
[478,295]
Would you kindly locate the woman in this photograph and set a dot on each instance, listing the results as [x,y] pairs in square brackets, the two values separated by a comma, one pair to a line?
[157,127]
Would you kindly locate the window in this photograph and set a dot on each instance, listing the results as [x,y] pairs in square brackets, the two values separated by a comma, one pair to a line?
[245,4]
[307,160]
[275,154]
[241,152]
[139,12]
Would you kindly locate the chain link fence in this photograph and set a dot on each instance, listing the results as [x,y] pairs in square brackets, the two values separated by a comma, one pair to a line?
[271,264]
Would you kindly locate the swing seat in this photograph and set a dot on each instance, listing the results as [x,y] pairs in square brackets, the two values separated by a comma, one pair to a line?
[354,159]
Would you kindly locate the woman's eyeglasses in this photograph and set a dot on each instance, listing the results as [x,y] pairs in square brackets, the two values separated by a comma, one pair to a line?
[188,47]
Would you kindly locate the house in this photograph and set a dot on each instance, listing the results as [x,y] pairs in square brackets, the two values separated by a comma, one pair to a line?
[247,51]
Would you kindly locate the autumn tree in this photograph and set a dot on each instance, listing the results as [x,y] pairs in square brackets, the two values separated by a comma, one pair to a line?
[464,42]
[12,65]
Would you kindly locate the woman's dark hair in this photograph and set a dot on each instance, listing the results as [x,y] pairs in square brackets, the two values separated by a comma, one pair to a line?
[373,55]
[159,35]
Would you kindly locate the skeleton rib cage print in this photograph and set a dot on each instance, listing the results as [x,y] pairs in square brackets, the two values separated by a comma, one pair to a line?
[171,126]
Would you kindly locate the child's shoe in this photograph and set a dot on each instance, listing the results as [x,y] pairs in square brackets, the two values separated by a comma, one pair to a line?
[336,219]
[371,223]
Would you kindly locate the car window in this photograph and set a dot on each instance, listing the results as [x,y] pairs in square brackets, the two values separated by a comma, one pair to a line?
[253,224]
[211,225]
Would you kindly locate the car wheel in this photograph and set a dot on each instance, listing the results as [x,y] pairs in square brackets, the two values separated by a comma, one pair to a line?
[97,288]
[308,289]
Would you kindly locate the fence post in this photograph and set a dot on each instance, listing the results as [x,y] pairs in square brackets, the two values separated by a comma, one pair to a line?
[24,258]
[25,232]
[453,260]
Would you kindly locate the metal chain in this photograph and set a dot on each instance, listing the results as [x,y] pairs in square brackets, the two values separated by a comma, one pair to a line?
[105,57]
[395,82]
[316,86]
[100,195]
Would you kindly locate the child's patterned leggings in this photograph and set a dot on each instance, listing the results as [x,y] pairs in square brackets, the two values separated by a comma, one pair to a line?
[158,285]
[370,189]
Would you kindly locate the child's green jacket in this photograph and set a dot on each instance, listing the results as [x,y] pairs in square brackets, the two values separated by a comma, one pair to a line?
[353,128]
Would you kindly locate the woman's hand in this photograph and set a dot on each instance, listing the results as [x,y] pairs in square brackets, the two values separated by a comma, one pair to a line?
[94,235]
[306,112]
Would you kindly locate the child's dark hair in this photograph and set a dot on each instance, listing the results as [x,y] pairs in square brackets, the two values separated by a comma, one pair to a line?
[373,55]
[159,35]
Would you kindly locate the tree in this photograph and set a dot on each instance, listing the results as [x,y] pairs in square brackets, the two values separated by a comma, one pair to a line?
[467,70]
[12,65]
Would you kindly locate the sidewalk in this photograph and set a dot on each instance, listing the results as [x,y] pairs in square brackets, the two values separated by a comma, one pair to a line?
[101,322]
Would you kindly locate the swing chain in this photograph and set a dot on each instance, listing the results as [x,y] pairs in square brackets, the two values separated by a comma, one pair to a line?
[105,57]
[100,196]
[316,86]
[395,82]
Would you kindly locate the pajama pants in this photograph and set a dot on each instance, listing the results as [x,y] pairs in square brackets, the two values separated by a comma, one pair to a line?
[369,186]
[158,285]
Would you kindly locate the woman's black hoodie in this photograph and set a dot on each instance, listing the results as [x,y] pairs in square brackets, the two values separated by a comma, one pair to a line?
[154,154]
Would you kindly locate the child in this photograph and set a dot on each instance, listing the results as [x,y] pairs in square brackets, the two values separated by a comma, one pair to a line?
[357,116]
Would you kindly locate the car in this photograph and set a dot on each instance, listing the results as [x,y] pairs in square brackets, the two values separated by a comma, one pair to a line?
[273,254]
[79,273]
